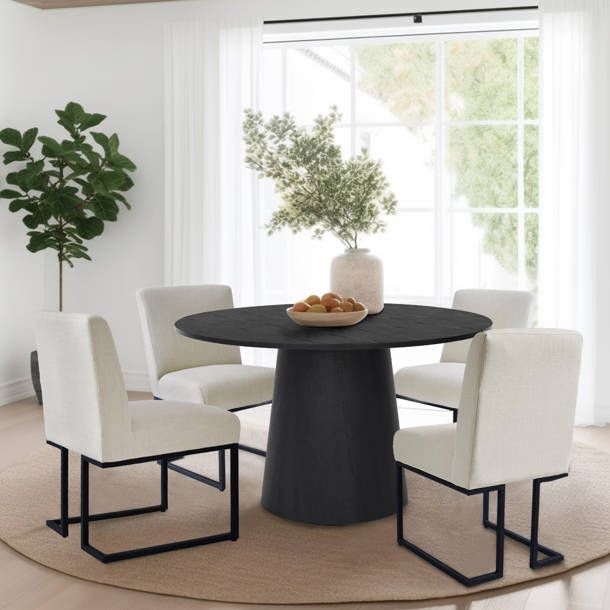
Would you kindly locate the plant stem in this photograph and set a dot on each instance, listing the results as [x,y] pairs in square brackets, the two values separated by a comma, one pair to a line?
[61,282]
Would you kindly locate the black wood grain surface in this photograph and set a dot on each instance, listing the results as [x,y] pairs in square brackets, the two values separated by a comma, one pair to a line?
[396,326]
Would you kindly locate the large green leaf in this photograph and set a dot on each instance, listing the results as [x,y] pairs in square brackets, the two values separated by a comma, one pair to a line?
[91,120]
[104,208]
[9,194]
[30,221]
[113,143]
[75,112]
[127,183]
[122,199]
[11,137]
[13,155]
[88,228]
[67,205]
[94,158]
[39,241]
[19,204]
[122,162]
[112,180]
[102,140]
[50,147]
[29,137]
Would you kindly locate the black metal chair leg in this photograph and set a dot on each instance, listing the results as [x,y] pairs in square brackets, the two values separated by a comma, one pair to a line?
[500,512]
[234,457]
[535,547]
[220,484]
[84,503]
[85,517]
[468,581]
[164,485]
[485,509]
[400,504]
[253,450]
[61,525]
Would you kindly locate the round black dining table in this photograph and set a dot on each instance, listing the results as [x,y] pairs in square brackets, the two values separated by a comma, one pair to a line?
[333,416]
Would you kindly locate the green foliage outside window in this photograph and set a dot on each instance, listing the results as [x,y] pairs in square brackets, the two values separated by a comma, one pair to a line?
[480,84]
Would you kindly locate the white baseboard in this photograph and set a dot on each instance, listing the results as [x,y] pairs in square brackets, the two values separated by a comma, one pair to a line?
[136,381]
[18,389]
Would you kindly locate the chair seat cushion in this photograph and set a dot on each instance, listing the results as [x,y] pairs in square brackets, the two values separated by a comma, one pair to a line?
[428,448]
[164,426]
[223,385]
[439,383]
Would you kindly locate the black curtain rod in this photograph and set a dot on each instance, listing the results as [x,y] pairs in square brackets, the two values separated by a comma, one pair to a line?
[414,14]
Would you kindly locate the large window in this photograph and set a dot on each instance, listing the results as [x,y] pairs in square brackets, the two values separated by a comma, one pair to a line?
[454,118]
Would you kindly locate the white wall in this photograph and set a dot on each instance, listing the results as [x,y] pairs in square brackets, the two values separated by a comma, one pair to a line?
[110,59]
[21,273]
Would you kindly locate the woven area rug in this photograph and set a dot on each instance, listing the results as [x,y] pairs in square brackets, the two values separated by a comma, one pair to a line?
[278,561]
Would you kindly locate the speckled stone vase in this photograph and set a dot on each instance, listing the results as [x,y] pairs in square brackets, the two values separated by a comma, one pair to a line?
[359,274]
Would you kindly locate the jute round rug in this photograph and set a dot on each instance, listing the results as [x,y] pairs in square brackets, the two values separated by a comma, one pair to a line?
[278,561]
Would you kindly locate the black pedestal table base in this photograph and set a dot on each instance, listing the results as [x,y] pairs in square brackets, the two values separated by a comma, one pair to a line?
[334,414]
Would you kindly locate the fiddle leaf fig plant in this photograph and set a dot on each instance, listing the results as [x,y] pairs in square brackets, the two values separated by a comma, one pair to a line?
[67,189]
[320,190]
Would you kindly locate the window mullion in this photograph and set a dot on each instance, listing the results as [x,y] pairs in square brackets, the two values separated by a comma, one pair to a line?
[521,263]
[352,101]
[439,195]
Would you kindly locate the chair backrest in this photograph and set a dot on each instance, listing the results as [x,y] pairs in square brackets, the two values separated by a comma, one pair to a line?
[517,406]
[506,308]
[85,401]
[166,350]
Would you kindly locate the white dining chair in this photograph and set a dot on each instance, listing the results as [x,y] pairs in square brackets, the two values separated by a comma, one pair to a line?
[438,384]
[184,369]
[86,411]
[516,422]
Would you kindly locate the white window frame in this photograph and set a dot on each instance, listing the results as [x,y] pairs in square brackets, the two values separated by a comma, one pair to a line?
[438,28]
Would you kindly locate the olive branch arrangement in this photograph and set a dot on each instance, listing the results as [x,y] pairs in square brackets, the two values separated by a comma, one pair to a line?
[320,190]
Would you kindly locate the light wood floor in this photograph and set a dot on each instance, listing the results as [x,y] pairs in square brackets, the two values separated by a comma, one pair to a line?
[25,585]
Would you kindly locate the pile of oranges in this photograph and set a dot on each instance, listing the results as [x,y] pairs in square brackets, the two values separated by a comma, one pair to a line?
[329,302]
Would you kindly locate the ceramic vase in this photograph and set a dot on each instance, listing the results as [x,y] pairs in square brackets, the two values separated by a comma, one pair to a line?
[359,274]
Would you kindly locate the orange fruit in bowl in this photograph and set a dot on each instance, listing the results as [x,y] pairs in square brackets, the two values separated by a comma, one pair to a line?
[336,310]
[331,295]
[330,303]
[300,307]
[312,299]
[346,306]
[359,307]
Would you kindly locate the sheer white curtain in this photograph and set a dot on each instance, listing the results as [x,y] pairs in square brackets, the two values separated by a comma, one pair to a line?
[212,224]
[574,278]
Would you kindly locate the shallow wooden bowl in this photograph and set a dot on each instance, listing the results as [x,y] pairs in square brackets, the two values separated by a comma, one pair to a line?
[347,318]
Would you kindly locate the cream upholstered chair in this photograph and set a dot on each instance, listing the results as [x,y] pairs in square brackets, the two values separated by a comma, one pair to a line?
[184,369]
[516,420]
[439,384]
[86,411]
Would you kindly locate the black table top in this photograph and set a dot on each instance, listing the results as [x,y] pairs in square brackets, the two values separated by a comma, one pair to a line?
[396,326]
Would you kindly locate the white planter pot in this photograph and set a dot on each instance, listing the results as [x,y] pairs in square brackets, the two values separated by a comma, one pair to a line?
[359,274]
